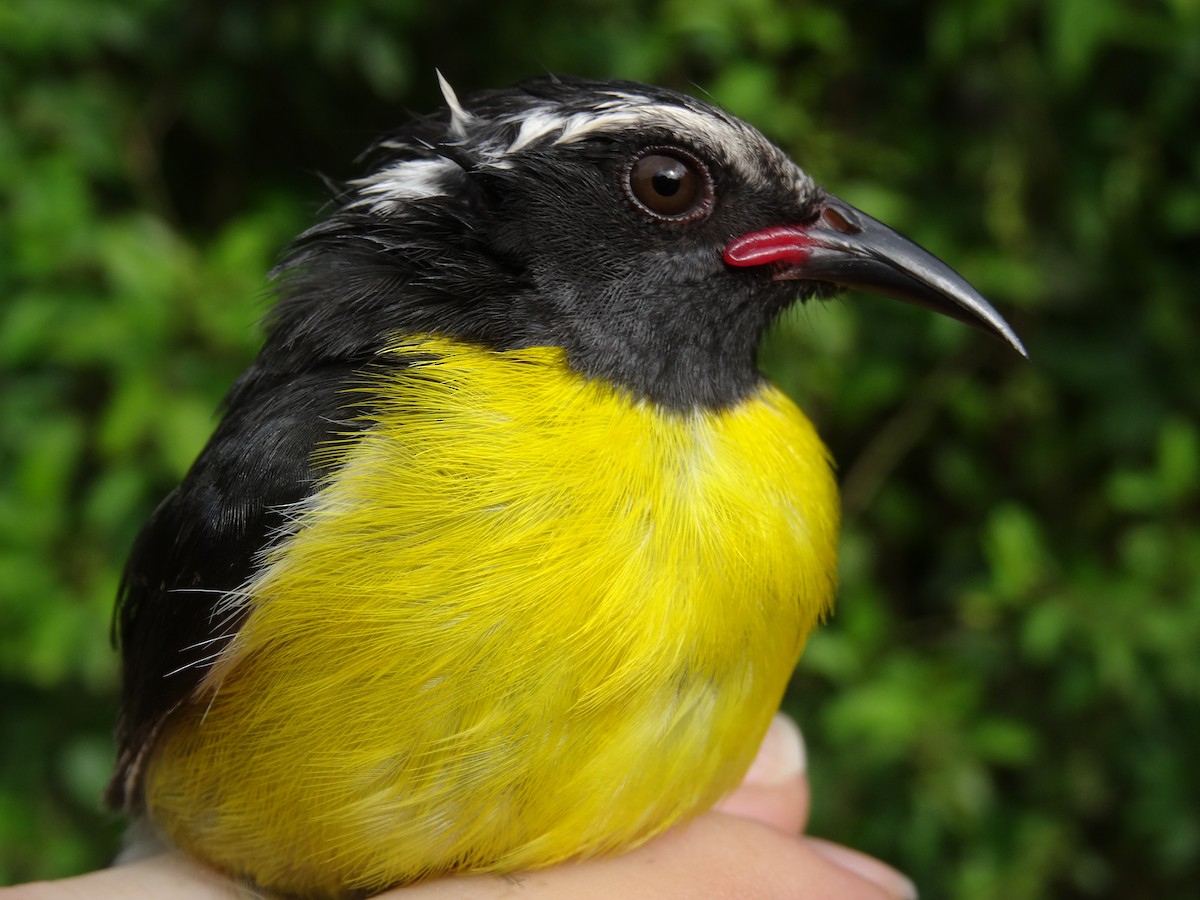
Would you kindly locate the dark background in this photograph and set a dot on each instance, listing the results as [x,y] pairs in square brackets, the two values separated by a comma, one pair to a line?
[1007,703]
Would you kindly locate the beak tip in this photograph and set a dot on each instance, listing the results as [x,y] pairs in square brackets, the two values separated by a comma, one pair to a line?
[1004,330]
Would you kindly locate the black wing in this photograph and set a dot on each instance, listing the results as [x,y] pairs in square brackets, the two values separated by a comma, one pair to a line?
[204,540]
[347,288]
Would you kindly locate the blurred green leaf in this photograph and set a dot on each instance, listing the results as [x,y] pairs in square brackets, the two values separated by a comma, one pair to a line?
[1015,549]
[1007,702]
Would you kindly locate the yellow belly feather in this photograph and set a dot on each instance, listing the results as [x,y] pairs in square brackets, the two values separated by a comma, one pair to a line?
[531,618]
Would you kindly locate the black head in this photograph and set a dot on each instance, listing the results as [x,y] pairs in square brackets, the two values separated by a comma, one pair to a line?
[652,236]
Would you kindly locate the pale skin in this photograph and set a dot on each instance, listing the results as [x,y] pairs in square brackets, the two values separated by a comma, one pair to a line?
[751,845]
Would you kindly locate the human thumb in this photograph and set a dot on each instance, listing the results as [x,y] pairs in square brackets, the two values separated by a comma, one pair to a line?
[775,789]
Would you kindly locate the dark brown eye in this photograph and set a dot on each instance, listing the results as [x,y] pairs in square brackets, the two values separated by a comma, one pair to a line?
[670,185]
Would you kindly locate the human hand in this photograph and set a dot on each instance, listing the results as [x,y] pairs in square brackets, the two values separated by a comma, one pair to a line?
[750,845]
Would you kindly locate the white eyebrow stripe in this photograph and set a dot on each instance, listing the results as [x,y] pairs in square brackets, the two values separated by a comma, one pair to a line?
[617,114]
[676,118]
[411,179]
[498,143]
[534,127]
[735,144]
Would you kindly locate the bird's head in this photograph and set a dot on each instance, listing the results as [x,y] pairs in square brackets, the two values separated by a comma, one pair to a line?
[650,235]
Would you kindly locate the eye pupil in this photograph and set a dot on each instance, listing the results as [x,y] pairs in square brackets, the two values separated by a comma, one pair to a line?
[667,182]
[670,186]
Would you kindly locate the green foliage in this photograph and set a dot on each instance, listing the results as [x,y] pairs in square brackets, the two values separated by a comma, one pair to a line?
[1007,703]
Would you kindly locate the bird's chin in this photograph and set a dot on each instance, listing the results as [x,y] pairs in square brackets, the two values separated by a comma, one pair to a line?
[806,289]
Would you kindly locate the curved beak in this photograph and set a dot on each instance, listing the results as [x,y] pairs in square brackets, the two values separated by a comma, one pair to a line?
[847,247]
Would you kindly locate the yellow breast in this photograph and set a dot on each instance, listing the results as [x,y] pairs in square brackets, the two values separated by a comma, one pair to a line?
[529,618]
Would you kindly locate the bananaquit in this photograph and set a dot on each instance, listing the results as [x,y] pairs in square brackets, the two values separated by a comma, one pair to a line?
[503,550]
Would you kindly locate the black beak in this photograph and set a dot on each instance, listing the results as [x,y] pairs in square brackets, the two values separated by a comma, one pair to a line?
[847,247]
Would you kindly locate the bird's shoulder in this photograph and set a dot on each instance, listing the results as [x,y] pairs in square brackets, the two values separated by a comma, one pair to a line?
[202,541]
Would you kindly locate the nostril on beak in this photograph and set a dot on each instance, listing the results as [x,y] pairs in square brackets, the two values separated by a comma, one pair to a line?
[840,220]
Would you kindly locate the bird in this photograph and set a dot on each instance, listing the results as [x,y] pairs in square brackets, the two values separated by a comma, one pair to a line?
[503,549]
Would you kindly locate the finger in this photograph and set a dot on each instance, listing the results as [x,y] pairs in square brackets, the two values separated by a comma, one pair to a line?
[716,856]
[868,867]
[166,875]
[775,789]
